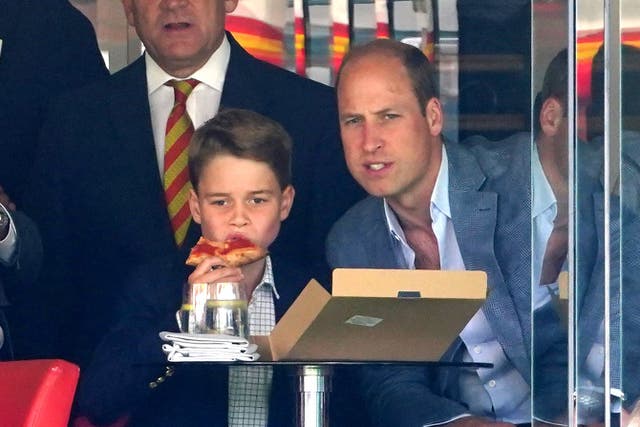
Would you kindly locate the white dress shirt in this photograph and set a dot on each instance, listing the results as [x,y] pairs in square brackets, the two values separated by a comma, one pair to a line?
[499,392]
[203,102]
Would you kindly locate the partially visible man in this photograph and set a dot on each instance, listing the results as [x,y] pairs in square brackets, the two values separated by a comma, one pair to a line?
[437,205]
[99,189]
[46,48]
[20,260]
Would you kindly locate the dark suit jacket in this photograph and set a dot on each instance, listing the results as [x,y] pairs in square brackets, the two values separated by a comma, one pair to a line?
[130,357]
[48,48]
[22,271]
[492,222]
[98,194]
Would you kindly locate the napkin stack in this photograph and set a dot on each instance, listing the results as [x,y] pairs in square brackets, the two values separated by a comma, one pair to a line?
[183,347]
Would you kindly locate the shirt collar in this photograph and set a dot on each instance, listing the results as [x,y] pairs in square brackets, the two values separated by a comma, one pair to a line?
[440,195]
[543,197]
[211,73]
[267,278]
[439,200]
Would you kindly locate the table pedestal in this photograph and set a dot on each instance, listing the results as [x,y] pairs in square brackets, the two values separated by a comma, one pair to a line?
[314,389]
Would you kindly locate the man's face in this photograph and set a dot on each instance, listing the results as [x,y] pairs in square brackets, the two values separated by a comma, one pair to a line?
[240,197]
[180,35]
[388,142]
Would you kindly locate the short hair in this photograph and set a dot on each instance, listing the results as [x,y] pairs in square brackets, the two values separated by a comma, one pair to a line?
[421,72]
[244,134]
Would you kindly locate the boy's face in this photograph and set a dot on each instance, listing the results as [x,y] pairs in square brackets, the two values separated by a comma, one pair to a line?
[240,197]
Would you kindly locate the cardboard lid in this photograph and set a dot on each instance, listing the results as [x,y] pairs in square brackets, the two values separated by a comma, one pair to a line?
[428,283]
[366,321]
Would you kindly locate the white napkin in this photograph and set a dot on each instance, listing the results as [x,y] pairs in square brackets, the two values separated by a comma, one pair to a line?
[207,348]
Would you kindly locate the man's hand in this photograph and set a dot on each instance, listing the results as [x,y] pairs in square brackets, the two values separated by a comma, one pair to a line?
[5,200]
[478,422]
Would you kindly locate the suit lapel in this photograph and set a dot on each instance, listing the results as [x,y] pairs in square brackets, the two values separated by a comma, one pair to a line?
[590,274]
[129,109]
[131,117]
[379,241]
[474,215]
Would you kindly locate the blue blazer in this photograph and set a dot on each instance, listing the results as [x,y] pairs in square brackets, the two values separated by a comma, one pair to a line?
[97,193]
[493,225]
[624,248]
[130,357]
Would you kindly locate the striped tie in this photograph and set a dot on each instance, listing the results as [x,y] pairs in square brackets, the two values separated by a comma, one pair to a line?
[176,175]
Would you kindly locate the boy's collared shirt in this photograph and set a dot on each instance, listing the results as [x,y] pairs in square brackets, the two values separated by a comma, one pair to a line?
[250,386]
[499,392]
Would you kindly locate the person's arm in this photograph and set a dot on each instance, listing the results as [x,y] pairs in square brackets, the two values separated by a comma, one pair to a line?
[129,358]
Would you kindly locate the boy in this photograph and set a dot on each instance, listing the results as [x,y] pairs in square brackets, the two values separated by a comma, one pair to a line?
[239,165]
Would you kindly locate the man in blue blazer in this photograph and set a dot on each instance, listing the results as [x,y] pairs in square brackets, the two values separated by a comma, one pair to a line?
[624,245]
[97,192]
[437,205]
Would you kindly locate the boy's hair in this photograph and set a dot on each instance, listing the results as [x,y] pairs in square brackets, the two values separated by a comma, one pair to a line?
[420,71]
[244,134]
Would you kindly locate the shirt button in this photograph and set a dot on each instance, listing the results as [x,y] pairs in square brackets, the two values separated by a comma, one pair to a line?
[477,349]
[492,383]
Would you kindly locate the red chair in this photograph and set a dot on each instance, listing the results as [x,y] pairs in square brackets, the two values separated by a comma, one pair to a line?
[37,393]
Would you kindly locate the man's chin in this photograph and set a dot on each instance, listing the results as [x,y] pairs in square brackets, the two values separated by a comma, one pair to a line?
[376,191]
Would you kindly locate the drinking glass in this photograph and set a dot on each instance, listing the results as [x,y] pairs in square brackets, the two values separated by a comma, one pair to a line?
[226,310]
[192,313]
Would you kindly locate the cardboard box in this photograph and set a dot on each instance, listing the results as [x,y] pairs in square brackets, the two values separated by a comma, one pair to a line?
[365,320]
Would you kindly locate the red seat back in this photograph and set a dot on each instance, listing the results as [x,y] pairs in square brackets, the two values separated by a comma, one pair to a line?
[37,393]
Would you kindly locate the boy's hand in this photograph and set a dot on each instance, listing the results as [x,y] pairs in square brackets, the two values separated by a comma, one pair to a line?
[213,270]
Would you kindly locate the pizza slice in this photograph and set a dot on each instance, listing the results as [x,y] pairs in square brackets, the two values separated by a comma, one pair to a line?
[235,252]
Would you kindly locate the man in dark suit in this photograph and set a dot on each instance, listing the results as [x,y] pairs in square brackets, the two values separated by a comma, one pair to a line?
[46,48]
[97,191]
